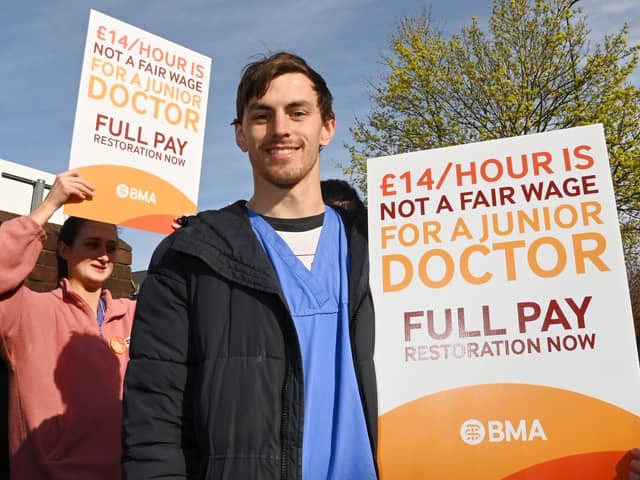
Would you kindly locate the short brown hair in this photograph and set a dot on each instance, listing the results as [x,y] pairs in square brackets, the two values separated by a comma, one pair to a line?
[258,75]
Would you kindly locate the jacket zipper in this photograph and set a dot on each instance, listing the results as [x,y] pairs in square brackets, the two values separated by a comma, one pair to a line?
[285,416]
[284,426]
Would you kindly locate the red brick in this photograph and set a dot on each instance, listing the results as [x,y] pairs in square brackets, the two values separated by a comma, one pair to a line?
[119,288]
[37,286]
[48,258]
[6,216]
[51,243]
[123,256]
[44,274]
[122,271]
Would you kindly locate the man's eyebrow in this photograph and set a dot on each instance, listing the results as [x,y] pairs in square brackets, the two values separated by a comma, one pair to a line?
[258,106]
[300,103]
[295,104]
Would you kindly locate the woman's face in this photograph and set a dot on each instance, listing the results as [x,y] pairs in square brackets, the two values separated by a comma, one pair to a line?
[90,258]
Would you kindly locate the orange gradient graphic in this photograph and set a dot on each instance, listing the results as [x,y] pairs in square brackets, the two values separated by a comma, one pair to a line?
[131,197]
[586,438]
[592,466]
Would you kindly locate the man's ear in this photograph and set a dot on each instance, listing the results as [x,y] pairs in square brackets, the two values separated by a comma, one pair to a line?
[327,132]
[241,140]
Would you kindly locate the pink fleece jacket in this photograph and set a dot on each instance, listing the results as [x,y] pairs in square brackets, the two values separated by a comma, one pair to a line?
[65,387]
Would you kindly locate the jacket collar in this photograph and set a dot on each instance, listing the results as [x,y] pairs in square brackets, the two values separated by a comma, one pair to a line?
[114,310]
[224,240]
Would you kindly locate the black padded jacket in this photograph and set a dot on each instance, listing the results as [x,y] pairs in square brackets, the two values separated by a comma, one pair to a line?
[214,388]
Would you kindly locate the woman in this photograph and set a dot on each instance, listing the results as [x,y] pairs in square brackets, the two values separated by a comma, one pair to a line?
[67,349]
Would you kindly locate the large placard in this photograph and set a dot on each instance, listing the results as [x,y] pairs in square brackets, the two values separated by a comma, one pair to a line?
[505,343]
[139,128]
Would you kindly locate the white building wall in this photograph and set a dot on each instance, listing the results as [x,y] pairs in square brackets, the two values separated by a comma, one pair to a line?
[15,197]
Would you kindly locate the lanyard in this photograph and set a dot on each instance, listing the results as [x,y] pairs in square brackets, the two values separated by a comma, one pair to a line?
[102,307]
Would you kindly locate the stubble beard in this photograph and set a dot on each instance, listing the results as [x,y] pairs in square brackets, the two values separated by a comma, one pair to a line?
[288,176]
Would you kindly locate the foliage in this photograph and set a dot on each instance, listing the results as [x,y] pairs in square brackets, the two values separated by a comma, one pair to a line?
[532,71]
[631,245]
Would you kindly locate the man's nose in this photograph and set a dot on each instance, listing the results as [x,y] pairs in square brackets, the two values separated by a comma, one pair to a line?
[280,124]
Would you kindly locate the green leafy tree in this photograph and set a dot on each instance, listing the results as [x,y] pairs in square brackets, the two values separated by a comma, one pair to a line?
[632,260]
[532,71]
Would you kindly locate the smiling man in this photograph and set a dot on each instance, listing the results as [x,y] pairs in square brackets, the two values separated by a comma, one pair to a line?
[252,348]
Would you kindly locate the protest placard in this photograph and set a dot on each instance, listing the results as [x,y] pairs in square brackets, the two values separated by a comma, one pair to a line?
[139,128]
[505,343]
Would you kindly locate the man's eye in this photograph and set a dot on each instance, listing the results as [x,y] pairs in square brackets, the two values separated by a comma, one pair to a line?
[111,248]
[299,114]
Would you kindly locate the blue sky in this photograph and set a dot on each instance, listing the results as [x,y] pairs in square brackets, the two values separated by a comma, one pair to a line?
[43,41]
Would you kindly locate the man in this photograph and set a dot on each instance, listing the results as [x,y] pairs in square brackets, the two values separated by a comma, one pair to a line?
[252,347]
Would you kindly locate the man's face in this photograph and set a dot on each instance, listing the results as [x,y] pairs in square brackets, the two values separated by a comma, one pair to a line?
[283,132]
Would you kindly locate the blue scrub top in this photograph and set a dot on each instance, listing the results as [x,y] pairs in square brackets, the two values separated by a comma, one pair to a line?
[335,443]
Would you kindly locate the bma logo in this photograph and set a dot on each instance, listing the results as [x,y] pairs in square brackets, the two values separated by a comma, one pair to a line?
[474,432]
[132,193]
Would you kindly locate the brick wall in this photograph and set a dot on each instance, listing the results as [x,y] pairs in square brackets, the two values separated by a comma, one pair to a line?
[44,276]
